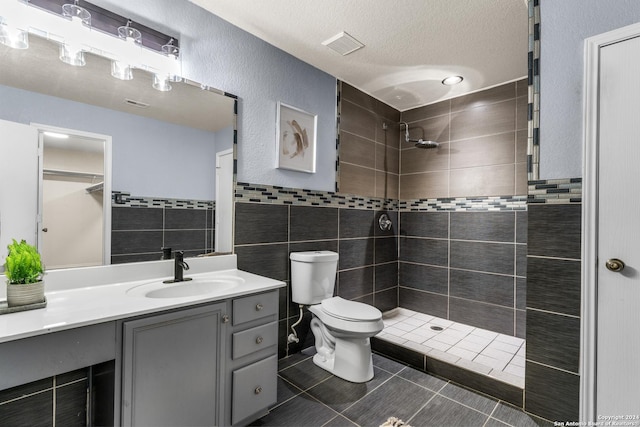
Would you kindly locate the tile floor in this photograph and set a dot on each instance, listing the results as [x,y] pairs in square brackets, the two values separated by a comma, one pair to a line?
[486,352]
[310,396]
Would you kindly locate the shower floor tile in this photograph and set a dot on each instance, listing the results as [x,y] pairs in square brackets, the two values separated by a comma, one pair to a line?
[496,355]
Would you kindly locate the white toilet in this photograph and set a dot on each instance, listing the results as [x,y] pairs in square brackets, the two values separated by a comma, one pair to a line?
[342,328]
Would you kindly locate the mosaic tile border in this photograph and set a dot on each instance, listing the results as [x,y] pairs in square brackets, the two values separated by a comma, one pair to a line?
[338,116]
[123,199]
[533,79]
[463,204]
[258,193]
[557,191]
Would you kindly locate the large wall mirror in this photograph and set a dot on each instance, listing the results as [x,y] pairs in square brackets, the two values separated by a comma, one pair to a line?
[136,170]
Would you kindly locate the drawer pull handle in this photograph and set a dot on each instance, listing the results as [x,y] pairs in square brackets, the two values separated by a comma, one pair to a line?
[225,318]
[259,307]
[259,340]
[258,390]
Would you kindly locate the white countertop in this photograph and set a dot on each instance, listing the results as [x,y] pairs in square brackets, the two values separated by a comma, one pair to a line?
[88,300]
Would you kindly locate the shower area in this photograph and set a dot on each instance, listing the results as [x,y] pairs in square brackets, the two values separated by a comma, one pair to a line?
[455,176]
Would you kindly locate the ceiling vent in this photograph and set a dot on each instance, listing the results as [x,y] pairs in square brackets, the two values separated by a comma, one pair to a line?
[343,43]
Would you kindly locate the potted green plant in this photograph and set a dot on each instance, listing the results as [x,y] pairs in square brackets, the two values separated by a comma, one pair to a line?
[24,271]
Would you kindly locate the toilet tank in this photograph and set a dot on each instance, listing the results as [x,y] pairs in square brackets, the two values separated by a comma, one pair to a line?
[313,276]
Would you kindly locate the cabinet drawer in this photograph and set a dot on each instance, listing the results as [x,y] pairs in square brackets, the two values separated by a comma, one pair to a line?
[254,307]
[254,339]
[254,388]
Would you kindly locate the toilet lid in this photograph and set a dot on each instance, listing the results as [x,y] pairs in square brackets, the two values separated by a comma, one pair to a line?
[350,310]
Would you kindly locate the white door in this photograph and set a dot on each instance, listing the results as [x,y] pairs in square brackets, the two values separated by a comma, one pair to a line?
[72,197]
[618,235]
[224,201]
[18,184]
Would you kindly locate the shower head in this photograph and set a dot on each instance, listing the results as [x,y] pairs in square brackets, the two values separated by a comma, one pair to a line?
[419,143]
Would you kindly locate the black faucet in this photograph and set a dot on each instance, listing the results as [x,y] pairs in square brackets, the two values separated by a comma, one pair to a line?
[179,266]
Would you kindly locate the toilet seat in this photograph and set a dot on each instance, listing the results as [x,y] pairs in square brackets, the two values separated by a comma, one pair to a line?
[346,323]
[343,309]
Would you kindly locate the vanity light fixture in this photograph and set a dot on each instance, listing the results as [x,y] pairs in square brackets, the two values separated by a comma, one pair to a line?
[76,13]
[121,71]
[172,52]
[452,80]
[13,30]
[72,55]
[161,83]
[79,27]
[130,34]
[71,50]
[13,37]
[133,37]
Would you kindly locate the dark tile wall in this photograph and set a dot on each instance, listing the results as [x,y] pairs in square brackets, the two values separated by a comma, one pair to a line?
[553,311]
[468,267]
[140,233]
[265,235]
[465,266]
[78,398]
[368,149]
[482,151]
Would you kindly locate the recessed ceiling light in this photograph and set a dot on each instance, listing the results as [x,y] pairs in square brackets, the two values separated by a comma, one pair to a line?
[452,80]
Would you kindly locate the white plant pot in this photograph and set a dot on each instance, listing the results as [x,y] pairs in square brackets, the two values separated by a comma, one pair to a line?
[31,293]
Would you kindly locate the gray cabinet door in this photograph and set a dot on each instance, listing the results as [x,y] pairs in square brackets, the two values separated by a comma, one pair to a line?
[171,368]
[254,388]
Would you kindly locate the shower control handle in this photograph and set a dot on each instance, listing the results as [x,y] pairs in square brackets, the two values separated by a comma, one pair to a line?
[384,222]
[614,264]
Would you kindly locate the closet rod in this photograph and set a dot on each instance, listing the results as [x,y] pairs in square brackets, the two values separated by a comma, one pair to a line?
[60,172]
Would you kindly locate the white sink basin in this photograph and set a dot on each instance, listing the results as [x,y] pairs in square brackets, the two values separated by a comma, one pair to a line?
[191,288]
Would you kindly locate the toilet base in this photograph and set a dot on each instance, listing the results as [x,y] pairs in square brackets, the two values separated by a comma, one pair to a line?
[351,360]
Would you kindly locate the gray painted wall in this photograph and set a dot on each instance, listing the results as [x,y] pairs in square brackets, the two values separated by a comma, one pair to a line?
[563,27]
[218,54]
[146,158]
[224,139]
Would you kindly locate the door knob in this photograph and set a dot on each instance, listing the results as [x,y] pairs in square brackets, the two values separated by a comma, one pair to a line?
[45,229]
[614,264]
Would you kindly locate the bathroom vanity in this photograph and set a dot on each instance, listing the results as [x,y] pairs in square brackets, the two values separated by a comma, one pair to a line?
[202,352]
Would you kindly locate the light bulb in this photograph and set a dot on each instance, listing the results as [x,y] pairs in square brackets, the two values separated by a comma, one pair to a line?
[72,55]
[161,83]
[14,37]
[121,71]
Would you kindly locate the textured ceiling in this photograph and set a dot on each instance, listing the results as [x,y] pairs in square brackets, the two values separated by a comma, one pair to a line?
[410,45]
